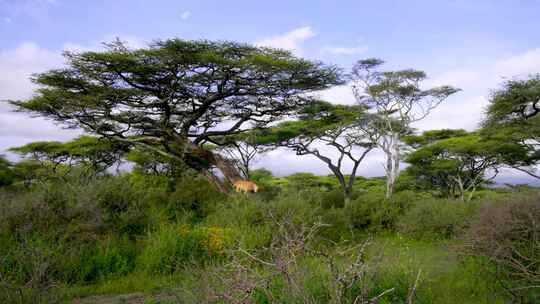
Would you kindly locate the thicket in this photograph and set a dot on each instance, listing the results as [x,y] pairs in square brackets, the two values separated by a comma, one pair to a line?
[62,234]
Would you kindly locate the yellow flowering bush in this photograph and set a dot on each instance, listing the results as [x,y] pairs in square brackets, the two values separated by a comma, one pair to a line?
[215,239]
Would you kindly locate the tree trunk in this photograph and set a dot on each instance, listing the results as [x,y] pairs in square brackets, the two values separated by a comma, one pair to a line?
[346,197]
[229,171]
[392,165]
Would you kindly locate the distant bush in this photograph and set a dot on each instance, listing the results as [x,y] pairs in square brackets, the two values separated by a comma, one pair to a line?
[268,189]
[373,211]
[509,235]
[436,218]
[332,199]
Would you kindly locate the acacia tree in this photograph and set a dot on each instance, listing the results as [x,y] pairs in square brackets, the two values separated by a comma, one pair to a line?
[149,162]
[92,153]
[516,101]
[174,96]
[512,118]
[457,162]
[345,129]
[399,101]
[50,154]
[242,150]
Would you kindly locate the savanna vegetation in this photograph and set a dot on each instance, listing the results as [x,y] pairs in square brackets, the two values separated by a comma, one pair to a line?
[142,208]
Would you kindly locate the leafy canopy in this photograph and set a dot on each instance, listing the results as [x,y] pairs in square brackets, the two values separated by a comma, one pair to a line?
[518,100]
[175,95]
[177,87]
[455,160]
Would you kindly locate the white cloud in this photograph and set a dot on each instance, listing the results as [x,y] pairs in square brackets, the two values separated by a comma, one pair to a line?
[466,108]
[462,79]
[347,51]
[455,113]
[16,67]
[185,15]
[519,65]
[291,40]
[339,94]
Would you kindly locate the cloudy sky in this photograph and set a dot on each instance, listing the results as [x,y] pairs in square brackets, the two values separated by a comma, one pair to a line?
[473,45]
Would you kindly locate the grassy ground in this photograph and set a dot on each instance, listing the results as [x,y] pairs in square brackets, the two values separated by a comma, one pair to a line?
[443,277]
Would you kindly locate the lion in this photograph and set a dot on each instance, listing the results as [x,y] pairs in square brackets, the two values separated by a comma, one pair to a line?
[245,186]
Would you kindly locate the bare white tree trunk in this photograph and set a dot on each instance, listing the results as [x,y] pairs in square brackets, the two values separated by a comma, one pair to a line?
[392,151]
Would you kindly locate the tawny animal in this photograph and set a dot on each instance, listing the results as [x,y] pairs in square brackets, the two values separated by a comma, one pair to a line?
[245,186]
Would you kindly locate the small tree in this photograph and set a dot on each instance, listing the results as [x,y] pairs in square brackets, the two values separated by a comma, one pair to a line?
[399,101]
[458,162]
[50,154]
[344,129]
[94,154]
[243,150]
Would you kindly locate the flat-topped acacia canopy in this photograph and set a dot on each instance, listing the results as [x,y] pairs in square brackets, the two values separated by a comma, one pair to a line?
[176,95]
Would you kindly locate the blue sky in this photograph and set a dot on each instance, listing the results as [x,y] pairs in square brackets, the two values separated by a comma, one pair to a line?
[470,44]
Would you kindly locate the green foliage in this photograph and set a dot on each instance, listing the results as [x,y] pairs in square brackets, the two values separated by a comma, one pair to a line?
[149,162]
[373,211]
[431,136]
[144,232]
[172,247]
[7,176]
[110,258]
[333,199]
[192,194]
[91,153]
[76,209]
[516,101]
[457,164]
[220,81]
[507,234]
[436,219]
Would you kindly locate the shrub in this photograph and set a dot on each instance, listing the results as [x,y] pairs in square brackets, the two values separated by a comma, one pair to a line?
[77,209]
[173,247]
[436,218]
[28,271]
[192,194]
[124,205]
[106,259]
[509,235]
[373,211]
[332,199]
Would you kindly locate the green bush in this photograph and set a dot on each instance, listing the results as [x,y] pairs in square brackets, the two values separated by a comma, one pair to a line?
[77,209]
[192,194]
[436,218]
[88,263]
[338,225]
[173,247]
[332,199]
[508,234]
[124,205]
[373,211]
